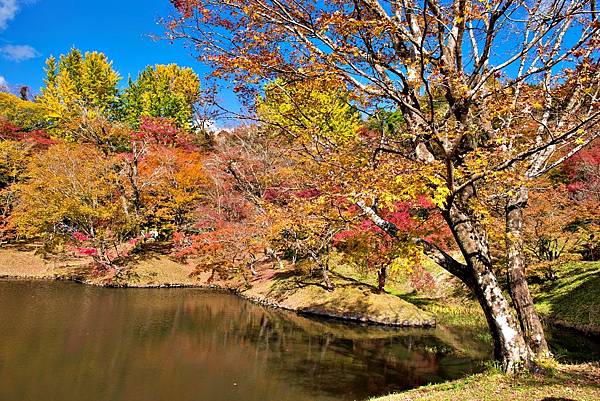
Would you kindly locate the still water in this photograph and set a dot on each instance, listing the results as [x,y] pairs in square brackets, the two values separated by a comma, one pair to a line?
[63,341]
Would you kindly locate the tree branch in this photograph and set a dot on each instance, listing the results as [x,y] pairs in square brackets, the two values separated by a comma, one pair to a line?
[438,255]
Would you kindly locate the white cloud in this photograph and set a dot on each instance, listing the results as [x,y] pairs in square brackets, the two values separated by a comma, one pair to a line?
[18,53]
[3,83]
[8,10]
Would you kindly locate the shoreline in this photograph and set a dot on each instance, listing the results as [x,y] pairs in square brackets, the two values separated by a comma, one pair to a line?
[234,291]
[285,289]
[281,289]
[583,385]
[265,302]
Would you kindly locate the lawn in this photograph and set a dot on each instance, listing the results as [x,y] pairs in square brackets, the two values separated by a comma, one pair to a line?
[573,298]
[564,383]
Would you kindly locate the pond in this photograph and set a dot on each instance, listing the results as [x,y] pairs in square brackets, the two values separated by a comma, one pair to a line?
[65,341]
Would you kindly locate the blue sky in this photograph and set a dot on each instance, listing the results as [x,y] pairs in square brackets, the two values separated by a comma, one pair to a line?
[32,30]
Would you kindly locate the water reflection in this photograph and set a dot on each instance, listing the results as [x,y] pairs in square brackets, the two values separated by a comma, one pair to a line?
[63,341]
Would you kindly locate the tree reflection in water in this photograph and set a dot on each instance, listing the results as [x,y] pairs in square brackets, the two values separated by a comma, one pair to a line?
[63,341]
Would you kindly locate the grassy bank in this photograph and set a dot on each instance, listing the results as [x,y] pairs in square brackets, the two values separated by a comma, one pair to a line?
[573,298]
[350,299]
[22,261]
[565,383]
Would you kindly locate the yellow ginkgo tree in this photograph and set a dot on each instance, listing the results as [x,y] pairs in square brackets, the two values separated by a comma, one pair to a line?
[77,84]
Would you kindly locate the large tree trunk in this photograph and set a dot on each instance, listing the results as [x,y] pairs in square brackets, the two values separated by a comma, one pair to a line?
[519,290]
[510,347]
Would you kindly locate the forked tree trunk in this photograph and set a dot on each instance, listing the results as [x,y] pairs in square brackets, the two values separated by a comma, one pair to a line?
[519,290]
[510,347]
[324,266]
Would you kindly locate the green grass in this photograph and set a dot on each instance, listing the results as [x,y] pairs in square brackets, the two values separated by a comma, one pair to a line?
[350,299]
[397,282]
[468,315]
[573,298]
[564,383]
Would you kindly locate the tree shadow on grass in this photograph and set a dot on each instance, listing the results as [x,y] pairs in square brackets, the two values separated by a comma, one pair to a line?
[348,294]
[351,307]
[292,279]
[576,379]
[416,300]
[577,277]
[579,307]
[23,246]
[577,376]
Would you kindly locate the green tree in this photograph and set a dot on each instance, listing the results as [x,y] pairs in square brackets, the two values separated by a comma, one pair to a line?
[306,108]
[167,91]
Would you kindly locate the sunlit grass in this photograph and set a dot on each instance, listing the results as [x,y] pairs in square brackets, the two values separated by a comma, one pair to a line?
[573,298]
[564,382]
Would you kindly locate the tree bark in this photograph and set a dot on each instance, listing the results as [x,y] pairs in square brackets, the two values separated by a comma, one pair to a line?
[510,347]
[324,266]
[326,278]
[381,278]
[519,290]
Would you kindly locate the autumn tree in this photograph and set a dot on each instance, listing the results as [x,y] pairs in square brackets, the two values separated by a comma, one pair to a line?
[225,237]
[21,135]
[16,148]
[78,83]
[172,181]
[583,172]
[317,107]
[563,218]
[231,226]
[72,198]
[365,244]
[550,231]
[26,115]
[97,129]
[165,91]
[13,160]
[479,118]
